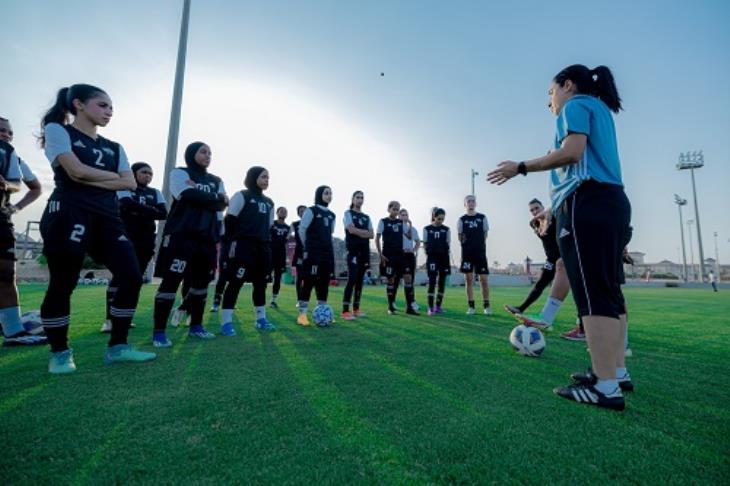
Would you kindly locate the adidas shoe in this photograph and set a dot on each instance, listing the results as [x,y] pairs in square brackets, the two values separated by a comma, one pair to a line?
[574,334]
[62,362]
[302,320]
[358,313]
[487,311]
[200,333]
[214,308]
[535,320]
[228,330]
[471,311]
[347,316]
[513,310]
[274,305]
[392,311]
[264,325]
[159,340]
[123,353]
[24,338]
[589,395]
[431,312]
[412,312]
[178,316]
[438,310]
[588,378]
[106,327]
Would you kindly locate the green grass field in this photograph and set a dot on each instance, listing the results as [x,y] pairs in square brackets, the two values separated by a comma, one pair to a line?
[388,400]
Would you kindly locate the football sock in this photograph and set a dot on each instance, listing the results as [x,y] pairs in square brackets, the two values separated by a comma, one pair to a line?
[471,304]
[10,319]
[621,373]
[303,307]
[430,301]
[274,297]
[260,311]
[607,386]
[345,307]
[551,308]
[486,303]
[226,316]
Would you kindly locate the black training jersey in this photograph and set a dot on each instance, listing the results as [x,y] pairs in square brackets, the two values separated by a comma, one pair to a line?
[392,231]
[298,245]
[9,170]
[319,232]
[253,214]
[279,233]
[140,210]
[474,228]
[360,221]
[436,239]
[99,153]
[192,216]
[549,240]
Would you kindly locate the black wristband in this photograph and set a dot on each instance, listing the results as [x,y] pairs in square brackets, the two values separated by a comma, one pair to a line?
[522,168]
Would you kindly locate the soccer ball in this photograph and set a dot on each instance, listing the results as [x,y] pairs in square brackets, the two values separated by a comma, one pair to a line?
[527,341]
[323,315]
[32,322]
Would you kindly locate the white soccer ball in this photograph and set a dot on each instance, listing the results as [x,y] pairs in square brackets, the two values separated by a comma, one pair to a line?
[528,341]
[32,322]
[323,315]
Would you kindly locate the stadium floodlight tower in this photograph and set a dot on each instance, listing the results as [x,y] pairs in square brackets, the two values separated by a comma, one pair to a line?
[690,222]
[679,201]
[692,161]
[473,175]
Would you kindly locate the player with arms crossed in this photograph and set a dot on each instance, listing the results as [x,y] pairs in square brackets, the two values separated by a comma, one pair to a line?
[358,233]
[473,229]
[82,216]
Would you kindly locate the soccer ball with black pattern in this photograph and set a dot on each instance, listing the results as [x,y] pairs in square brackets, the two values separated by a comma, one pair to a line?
[323,315]
[527,341]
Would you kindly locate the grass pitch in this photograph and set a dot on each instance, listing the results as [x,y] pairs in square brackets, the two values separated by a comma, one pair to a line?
[384,399]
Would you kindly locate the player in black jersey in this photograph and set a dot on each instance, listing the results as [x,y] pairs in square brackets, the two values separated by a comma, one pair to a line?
[82,216]
[140,210]
[358,233]
[298,257]
[552,271]
[12,171]
[437,240]
[248,225]
[473,228]
[315,230]
[411,244]
[279,235]
[188,248]
[390,232]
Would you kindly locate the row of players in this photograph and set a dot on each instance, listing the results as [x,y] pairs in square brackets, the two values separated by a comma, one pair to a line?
[591,210]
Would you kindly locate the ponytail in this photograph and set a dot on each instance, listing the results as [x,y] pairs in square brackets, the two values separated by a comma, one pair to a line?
[596,82]
[63,106]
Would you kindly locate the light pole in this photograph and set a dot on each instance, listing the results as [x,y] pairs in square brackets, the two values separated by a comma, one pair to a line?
[473,175]
[693,161]
[717,258]
[690,222]
[681,202]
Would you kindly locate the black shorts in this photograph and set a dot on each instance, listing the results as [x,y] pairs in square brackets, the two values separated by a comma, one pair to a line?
[318,266]
[248,261]
[592,227]
[7,242]
[73,232]
[474,261]
[191,255]
[395,267]
[278,259]
[358,260]
[438,262]
[409,263]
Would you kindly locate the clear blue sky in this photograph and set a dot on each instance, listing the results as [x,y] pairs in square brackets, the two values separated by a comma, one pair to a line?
[297,86]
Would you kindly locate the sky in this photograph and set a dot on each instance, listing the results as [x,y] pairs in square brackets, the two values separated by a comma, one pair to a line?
[297,87]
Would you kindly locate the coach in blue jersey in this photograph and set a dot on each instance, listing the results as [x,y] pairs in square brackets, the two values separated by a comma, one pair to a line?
[188,248]
[473,229]
[82,216]
[248,229]
[140,210]
[315,230]
[593,216]
[358,233]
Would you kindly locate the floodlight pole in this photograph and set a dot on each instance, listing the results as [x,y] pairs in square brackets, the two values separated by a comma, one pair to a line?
[473,175]
[693,161]
[690,222]
[681,202]
[717,258]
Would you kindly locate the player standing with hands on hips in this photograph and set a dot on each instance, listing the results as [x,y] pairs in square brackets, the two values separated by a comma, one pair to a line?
[593,218]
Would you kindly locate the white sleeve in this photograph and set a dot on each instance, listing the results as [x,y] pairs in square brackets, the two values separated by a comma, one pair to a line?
[57,142]
[425,235]
[123,194]
[347,220]
[381,227]
[334,223]
[236,204]
[448,236]
[13,171]
[221,188]
[486,225]
[370,224]
[25,172]
[306,220]
[123,161]
[160,197]
[414,234]
[178,182]
[460,226]
[272,216]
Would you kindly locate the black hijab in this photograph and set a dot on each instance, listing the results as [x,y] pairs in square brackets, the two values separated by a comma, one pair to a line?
[190,152]
[251,177]
[318,195]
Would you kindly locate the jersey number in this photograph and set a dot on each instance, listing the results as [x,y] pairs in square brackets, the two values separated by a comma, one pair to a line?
[178,266]
[240,273]
[437,235]
[99,154]
[77,233]
[314,269]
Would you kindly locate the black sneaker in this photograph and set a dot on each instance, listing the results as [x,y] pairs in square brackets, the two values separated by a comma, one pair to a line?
[274,305]
[588,378]
[512,310]
[589,395]
[24,339]
[412,312]
[391,311]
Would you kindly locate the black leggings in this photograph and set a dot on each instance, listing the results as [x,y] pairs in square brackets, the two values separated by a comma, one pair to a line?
[432,277]
[230,296]
[278,272]
[546,277]
[197,278]
[354,283]
[321,285]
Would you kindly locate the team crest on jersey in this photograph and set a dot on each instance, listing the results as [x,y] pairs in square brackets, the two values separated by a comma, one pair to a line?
[79,143]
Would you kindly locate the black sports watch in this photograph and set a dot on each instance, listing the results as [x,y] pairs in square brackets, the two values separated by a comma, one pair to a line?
[522,168]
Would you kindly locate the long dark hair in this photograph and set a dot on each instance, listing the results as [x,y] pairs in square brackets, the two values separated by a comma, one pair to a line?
[596,82]
[58,113]
[436,212]
[352,205]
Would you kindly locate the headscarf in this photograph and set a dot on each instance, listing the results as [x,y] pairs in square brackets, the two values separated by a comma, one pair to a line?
[318,196]
[252,177]
[190,152]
